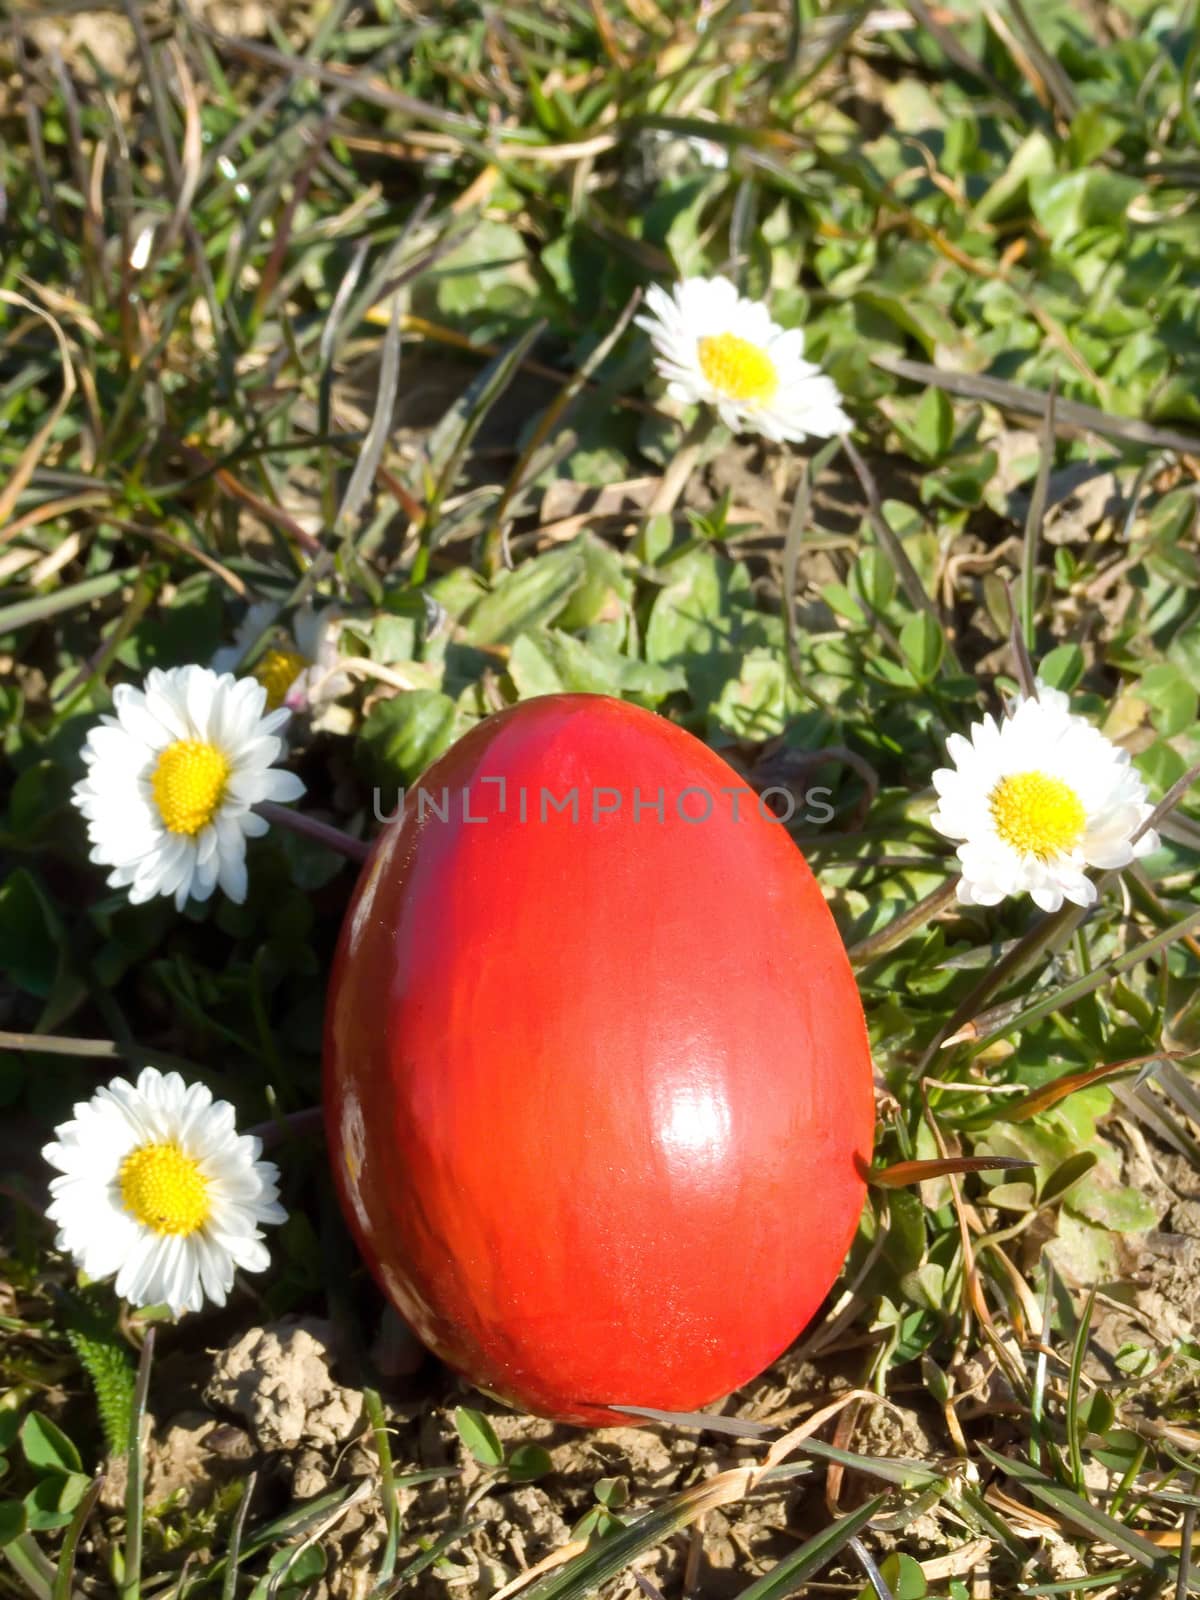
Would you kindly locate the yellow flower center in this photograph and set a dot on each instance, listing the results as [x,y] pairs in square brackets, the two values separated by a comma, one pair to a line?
[1037,815]
[163,1189]
[738,368]
[277,670]
[188,784]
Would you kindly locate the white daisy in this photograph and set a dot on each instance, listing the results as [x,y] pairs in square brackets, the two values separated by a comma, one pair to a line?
[158,1187]
[706,152]
[297,670]
[716,348]
[1036,801]
[171,780]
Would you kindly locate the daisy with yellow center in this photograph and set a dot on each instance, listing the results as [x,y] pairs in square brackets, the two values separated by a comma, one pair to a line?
[171,780]
[1036,801]
[156,1187]
[297,669]
[716,348]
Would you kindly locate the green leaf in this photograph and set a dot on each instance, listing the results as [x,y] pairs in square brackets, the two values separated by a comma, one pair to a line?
[605,586]
[1064,1176]
[531,595]
[477,1433]
[404,735]
[755,704]
[1122,1210]
[692,612]
[933,425]
[787,1576]
[923,644]
[47,1447]
[1062,667]
[39,790]
[1093,131]
[13,1521]
[30,934]
[874,577]
[1172,699]
[489,271]
[186,629]
[838,598]
[290,1572]
[1066,205]
[903,1576]
[612,1493]
[546,661]
[50,1503]
[1032,158]
[528,1462]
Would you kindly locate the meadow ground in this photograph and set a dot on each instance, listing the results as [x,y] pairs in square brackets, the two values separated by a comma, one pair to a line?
[334,303]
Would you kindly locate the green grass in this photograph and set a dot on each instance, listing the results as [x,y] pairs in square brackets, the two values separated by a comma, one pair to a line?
[969,213]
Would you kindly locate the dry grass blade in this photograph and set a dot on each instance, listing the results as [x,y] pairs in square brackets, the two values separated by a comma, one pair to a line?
[796,1437]
[954,50]
[1058,85]
[1002,1019]
[1147,1108]
[50,510]
[236,490]
[903,1173]
[1033,531]
[1183,1581]
[556,410]
[452,438]
[193,151]
[599,1562]
[1170,800]
[351,83]
[22,613]
[381,423]
[898,929]
[190,552]
[907,574]
[1078,1512]
[734,1427]
[31,456]
[1069,414]
[57,1045]
[1051,1094]
[792,546]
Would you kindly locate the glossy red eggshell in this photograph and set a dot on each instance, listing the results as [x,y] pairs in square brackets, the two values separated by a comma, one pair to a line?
[598,1091]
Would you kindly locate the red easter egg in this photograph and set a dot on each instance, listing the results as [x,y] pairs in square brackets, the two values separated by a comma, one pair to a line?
[597,1085]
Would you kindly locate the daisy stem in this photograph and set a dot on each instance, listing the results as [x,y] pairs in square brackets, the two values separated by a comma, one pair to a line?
[681,466]
[131,1582]
[323,832]
[289,1123]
